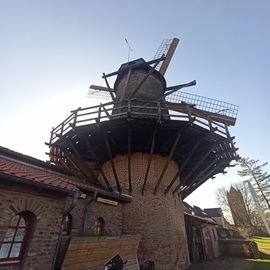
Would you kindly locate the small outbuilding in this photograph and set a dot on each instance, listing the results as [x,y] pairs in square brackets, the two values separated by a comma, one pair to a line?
[202,234]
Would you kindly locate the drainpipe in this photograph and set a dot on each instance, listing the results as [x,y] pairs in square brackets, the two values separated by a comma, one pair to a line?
[75,198]
[92,199]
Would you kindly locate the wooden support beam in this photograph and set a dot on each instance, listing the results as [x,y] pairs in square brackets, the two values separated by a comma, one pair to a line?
[169,56]
[129,160]
[78,157]
[149,63]
[175,88]
[169,141]
[190,155]
[210,174]
[170,157]
[229,150]
[101,88]
[205,156]
[150,158]
[195,168]
[110,74]
[108,86]
[106,111]
[75,166]
[154,61]
[203,172]
[223,151]
[99,113]
[63,164]
[226,150]
[105,135]
[184,108]
[92,151]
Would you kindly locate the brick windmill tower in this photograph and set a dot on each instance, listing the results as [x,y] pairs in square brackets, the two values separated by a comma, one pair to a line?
[153,143]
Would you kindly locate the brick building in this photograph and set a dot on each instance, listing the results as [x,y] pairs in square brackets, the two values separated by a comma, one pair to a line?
[217,215]
[36,199]
[203,242]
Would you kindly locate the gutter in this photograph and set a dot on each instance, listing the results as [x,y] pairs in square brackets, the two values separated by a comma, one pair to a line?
[75,198]
[92,199]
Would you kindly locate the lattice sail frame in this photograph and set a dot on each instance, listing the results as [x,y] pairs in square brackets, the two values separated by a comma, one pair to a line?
[163,50]
[204,103]
[199,102]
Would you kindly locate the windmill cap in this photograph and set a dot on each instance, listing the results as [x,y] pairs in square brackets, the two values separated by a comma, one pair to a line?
[138,64]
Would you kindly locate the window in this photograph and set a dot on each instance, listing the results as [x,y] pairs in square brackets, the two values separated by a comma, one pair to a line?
[99,226]
[14,243]
[67,225]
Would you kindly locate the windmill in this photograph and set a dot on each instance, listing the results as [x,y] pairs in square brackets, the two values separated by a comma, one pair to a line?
[151,143]
[176,100]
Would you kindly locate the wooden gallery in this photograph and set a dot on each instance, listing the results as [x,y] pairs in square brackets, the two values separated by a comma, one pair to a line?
[111,195]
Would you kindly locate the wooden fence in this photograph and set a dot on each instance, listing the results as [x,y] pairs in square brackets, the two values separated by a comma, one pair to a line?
[93,252]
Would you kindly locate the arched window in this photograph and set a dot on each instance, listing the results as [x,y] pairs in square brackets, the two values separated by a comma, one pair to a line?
[14,243]
[99,226]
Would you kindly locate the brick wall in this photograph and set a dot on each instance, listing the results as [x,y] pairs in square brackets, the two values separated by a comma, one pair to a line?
[239,248]
[112,216]
[159,219]
[47,209]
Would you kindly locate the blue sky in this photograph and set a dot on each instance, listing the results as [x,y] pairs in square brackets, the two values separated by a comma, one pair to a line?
[51,51]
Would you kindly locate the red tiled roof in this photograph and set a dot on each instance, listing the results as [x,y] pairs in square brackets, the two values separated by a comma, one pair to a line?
[37,176]
[31,171]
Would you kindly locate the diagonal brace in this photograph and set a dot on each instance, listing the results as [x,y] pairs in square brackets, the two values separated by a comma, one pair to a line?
[170,156]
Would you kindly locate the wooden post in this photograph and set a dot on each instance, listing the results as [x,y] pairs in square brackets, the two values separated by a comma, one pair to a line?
[108,86]
[129,161]
[149,159]
[111,161]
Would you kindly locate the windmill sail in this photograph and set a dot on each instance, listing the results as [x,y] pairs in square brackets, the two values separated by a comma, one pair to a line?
[167,49]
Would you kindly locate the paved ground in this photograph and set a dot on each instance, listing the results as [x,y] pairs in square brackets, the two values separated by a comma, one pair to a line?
[224,263]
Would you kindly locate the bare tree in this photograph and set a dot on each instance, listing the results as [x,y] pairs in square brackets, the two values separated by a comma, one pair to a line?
[221,199]
[256,174]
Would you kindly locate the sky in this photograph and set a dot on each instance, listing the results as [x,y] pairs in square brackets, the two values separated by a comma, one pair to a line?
[51,51]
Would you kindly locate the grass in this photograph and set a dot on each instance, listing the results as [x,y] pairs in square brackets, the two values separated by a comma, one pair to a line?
[263,263]
[262,242]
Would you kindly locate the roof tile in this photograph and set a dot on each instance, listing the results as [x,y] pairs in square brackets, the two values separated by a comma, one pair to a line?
[36,175]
